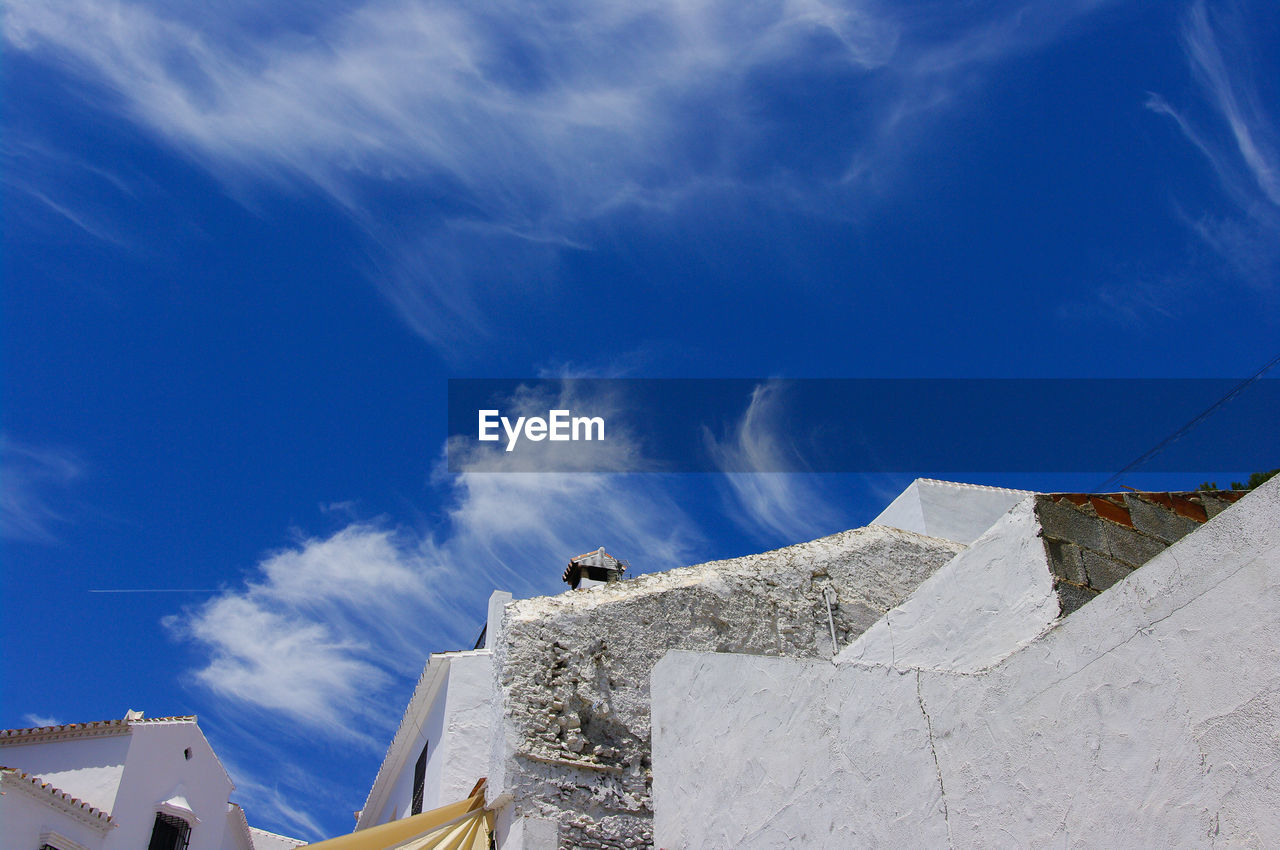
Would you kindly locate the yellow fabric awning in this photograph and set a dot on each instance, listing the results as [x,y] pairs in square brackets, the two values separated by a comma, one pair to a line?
[464,825]
[469,832]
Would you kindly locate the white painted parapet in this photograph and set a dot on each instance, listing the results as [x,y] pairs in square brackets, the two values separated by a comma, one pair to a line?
[948,509]
[986,602]
[1147,718]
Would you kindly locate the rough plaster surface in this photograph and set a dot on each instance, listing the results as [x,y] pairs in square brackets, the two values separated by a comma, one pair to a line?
[1147,719]
[468,713]
[780,752]
[573,670]
[983,604]
[451,711]
[959,512]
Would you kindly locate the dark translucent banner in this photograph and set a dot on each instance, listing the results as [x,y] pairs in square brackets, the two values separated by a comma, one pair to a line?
[936,426]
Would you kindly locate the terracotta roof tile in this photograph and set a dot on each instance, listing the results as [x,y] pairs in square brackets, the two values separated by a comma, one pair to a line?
[40,785]
[96,726]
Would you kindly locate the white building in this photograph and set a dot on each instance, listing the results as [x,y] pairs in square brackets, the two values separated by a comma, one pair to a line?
[977,666]
[121,784]
[998,706]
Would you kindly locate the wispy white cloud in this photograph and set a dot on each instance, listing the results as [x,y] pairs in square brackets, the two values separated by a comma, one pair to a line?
[1240,141]
[304,636]
[1236,100]
[41,720]
[31,480]
[506,129]
[775,506]
[267,802]
[322,630]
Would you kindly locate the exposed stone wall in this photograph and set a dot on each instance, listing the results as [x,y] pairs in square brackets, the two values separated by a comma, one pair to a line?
[573,670]
[1095,541]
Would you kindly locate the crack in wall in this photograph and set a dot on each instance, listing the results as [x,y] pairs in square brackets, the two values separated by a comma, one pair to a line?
[937,766]
[1147,628]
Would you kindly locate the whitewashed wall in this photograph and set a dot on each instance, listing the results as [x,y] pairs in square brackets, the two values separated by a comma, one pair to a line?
[948,509]
[1148,718]
[468,715]
[88,769]
[982,605]
[457,724]
[156,770]
[399,801]
[127,775]
[27,818]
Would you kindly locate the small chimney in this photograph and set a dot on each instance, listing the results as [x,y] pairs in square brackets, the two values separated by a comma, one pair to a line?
[598,567]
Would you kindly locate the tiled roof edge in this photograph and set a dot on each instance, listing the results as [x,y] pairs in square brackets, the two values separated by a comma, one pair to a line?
[37,787]
[96,728]
[298,841]
[966,486]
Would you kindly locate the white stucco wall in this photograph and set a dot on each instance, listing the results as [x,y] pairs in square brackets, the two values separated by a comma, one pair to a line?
[1148,718]
[26,818]
[451,709]
[953,511]
[235,833]
[88,769]
[772,752]
[128,775]
[468,718]
[456,722]
[400,799]
[976,609]
[157,770]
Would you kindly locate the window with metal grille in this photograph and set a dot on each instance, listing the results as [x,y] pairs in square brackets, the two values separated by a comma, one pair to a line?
[419,780]
[169,833]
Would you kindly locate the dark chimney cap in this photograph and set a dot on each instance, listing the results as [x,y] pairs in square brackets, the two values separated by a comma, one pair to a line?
[592,568]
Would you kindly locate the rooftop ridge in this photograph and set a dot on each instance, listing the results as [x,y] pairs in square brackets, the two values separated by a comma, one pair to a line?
[664,580]
[967,486]
[86,730]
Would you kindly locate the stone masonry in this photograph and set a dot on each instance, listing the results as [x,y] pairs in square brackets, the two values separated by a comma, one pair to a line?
[573,670]
[1094,541]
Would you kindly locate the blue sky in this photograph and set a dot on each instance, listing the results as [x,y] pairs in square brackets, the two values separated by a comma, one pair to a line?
[246,245]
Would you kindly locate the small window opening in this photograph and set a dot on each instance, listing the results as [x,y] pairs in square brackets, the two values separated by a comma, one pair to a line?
[419,781]
[186,754]
[169,833]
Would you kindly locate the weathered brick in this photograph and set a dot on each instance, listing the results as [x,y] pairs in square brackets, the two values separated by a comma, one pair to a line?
[1102,571]
[1109,510]
[1063,522]
[1158,521]
[1189,507]
[1064,560]
[1130,547]
[1216,503]
[1071,597]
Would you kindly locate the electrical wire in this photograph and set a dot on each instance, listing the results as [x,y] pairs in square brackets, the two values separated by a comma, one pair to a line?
[1181,432]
